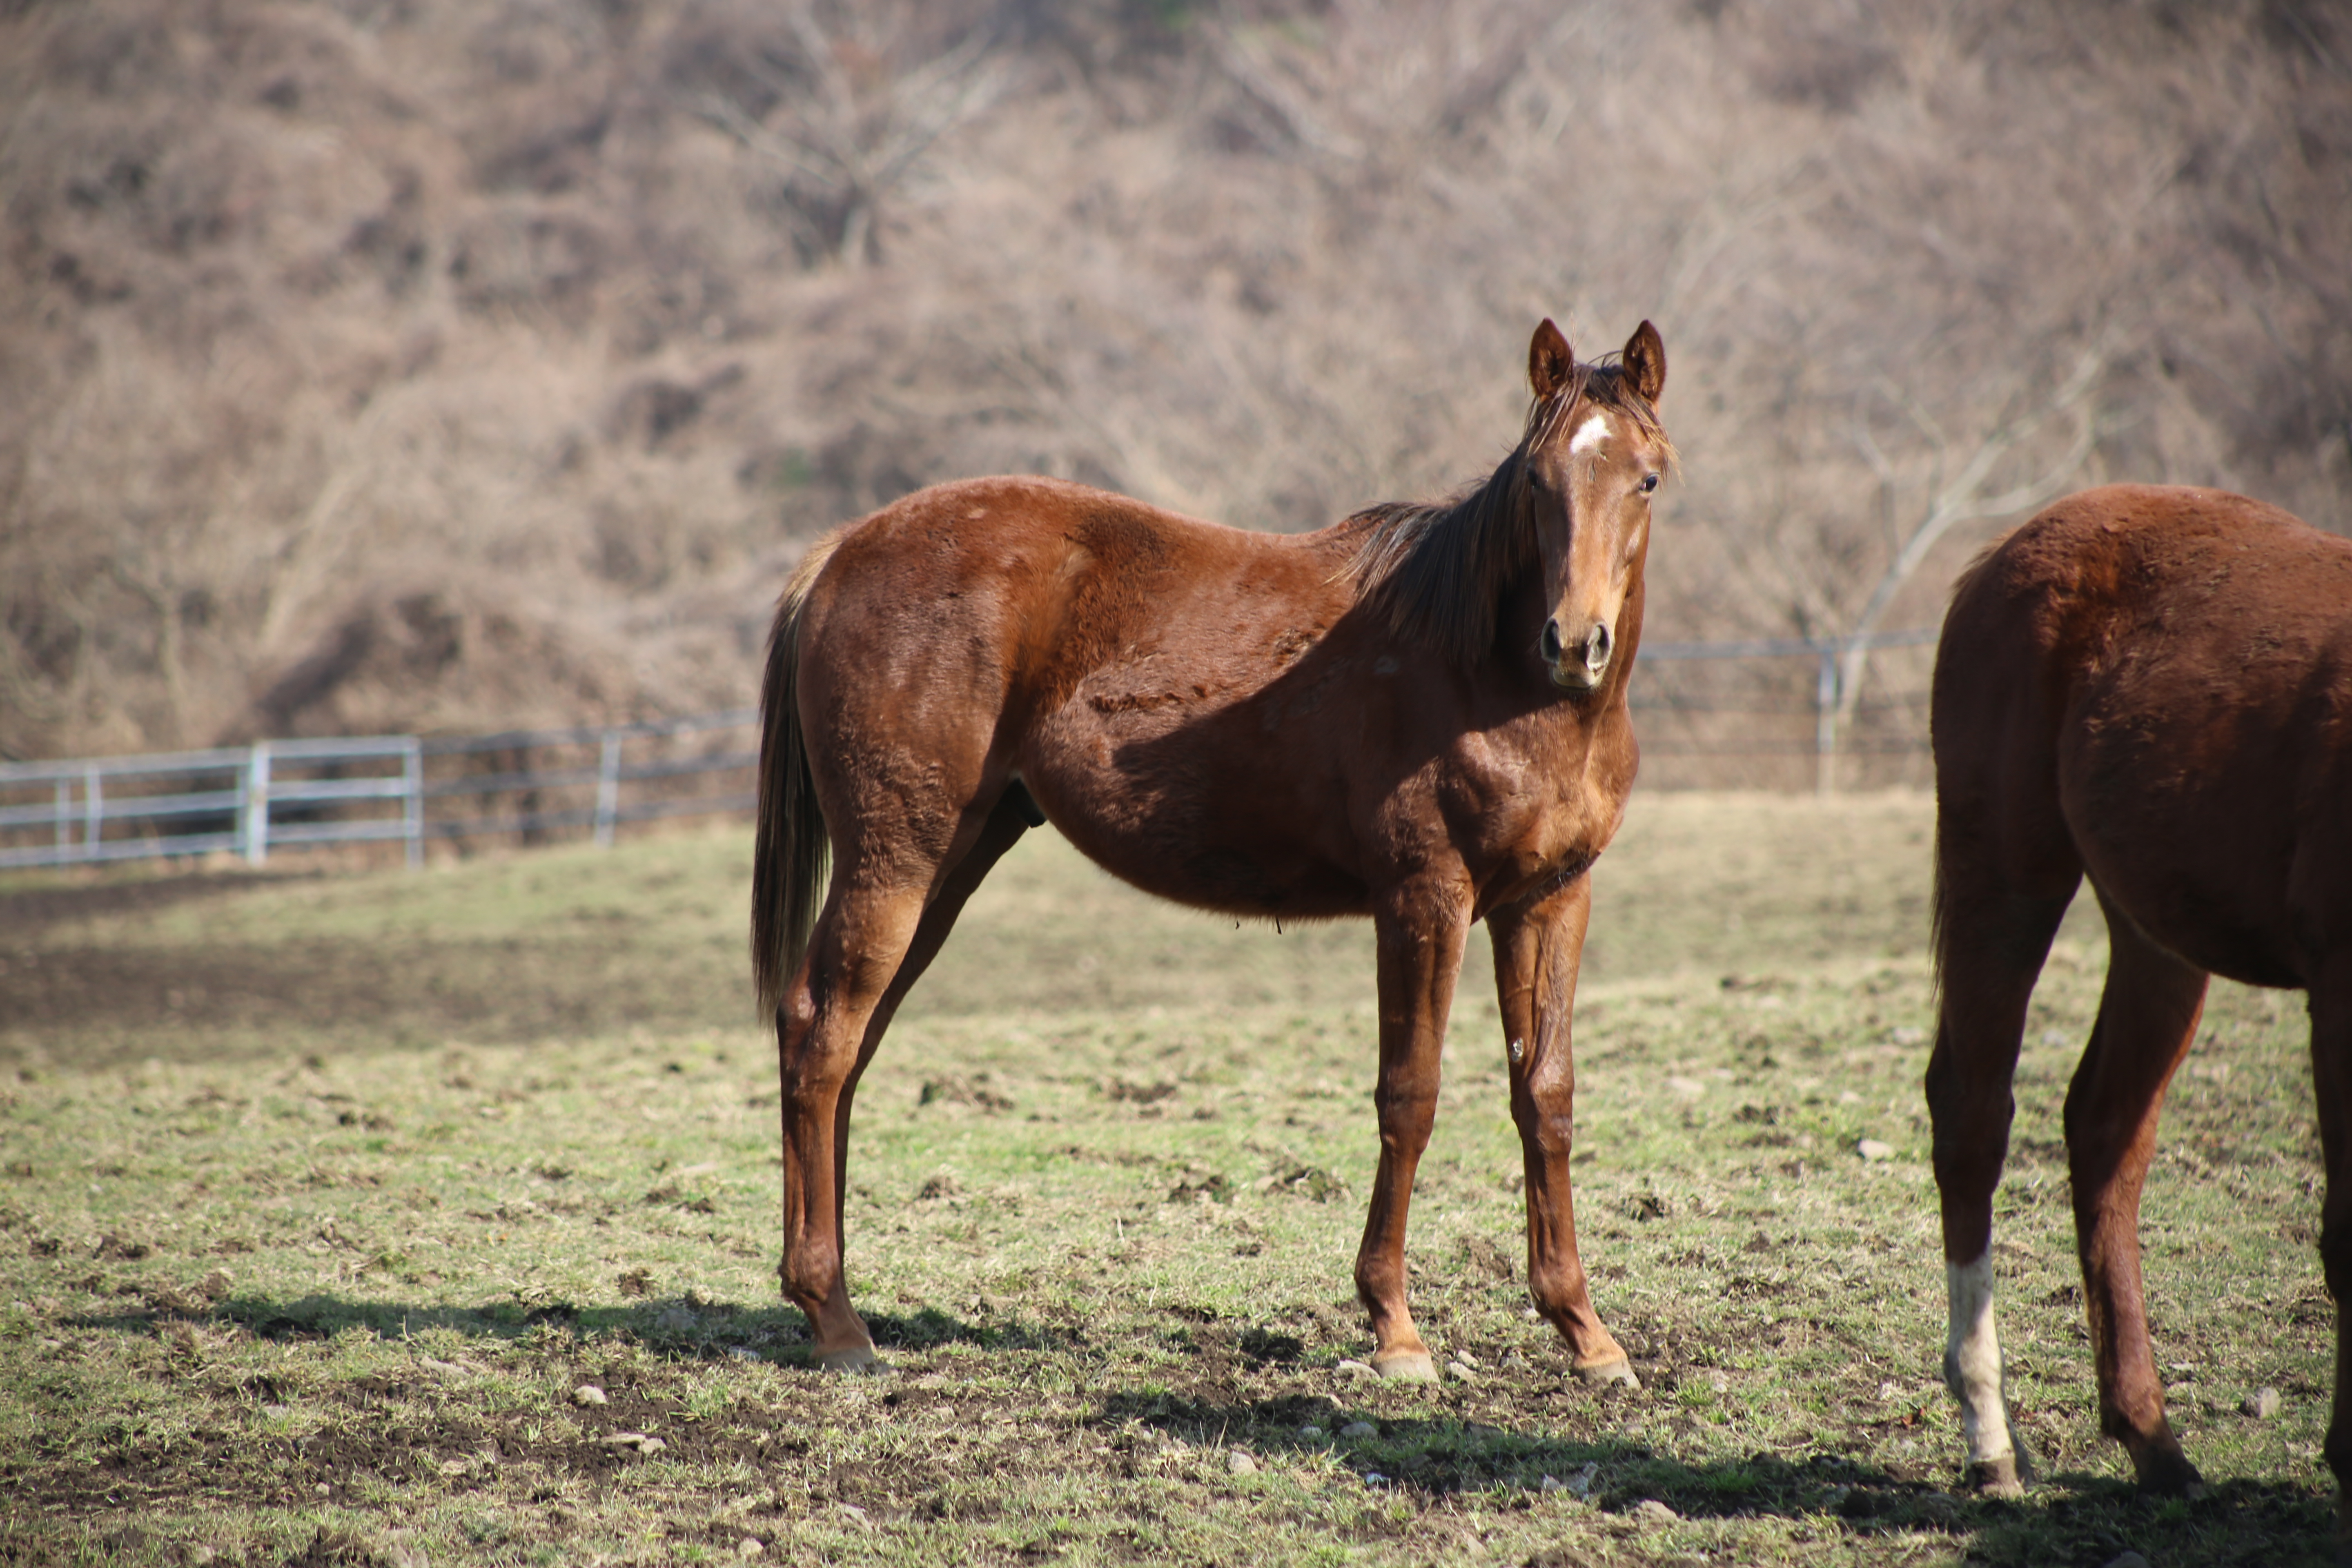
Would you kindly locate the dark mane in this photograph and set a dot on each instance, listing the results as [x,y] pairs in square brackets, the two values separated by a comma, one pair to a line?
[1437,570]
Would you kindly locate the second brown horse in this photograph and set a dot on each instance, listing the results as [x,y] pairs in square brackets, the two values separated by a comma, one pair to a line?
[1417,714]
[2148,688]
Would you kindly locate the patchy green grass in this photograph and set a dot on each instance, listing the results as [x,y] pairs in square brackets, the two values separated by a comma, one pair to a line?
[324,1195]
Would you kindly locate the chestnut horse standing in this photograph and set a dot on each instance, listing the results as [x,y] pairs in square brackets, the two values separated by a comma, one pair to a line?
[1416,714]
[2151,687]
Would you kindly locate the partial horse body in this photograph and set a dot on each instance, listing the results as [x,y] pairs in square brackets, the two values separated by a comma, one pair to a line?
[2151,686]
[1417,714]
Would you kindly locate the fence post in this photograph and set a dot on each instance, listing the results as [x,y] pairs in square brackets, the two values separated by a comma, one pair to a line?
[1825,710]
[257,805]
[412,798]
[608,789]
[93,813]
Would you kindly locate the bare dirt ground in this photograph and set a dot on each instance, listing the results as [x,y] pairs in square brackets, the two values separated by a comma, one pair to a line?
[323,1287]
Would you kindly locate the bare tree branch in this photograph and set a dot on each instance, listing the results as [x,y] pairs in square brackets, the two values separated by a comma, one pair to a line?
[1963,500]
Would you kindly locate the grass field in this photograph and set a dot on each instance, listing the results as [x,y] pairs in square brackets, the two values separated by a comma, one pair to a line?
[325,1196]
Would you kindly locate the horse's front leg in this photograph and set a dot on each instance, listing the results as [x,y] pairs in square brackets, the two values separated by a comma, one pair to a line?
[1419,931]
[1538,946]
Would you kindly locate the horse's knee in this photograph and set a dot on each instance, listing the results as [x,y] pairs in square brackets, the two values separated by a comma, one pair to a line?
[1546,1119]
[1405,1124]
[1404,1107]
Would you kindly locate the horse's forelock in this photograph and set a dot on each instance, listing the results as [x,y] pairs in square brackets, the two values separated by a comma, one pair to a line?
[1602,384]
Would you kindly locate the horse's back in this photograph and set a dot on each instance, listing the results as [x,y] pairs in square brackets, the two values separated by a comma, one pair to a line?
[2162,678]
[1144,675]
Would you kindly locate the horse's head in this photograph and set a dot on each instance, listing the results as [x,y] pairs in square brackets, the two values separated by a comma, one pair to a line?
[1594,455]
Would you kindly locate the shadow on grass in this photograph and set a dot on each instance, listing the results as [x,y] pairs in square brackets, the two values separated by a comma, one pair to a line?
[684,1328]
[2072,1518]
[44,903]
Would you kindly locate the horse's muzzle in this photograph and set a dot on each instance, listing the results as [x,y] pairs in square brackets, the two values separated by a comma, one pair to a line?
[1579,665]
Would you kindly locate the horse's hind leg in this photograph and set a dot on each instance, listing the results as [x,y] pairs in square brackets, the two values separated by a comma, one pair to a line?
[2331,1060]
[2147,1016]
[877,934]
[1002,828]
[1992,940]
[821,1027]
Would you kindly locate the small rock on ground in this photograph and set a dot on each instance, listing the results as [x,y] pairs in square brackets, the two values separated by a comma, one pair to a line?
[1241,1464]
[1310,1433]
[1872,1149]
[1650,1511]
[1355,1369]
[2262,1404]
[589,1394]
[1355,1430]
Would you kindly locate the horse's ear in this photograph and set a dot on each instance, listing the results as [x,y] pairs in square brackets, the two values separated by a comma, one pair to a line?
[1646,361]
[1549,361]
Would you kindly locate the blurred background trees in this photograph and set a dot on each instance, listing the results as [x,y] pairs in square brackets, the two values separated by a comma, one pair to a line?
[389,363]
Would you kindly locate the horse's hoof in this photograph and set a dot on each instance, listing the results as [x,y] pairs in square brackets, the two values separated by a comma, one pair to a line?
[2170,1474]
[1617,1369]
[1406,1366]
[1996,1477]
[859,1358]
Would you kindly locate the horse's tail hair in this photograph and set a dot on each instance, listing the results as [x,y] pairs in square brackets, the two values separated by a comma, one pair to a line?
[791,854]
[1941,926]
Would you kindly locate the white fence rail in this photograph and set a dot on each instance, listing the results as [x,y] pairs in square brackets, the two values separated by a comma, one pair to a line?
[247,800]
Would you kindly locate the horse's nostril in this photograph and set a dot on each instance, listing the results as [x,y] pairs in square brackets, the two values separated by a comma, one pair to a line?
[1596,646]
[1551,643]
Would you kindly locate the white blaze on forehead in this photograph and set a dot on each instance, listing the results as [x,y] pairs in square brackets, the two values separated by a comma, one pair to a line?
[1589,434]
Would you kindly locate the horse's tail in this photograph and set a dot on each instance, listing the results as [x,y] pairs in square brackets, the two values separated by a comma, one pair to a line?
[1941,695]
[789,859]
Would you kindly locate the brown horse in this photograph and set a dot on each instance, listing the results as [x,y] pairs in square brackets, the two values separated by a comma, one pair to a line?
[2151,687]
[1417,714]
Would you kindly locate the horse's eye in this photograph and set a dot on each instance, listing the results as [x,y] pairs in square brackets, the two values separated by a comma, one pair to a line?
[1649,483]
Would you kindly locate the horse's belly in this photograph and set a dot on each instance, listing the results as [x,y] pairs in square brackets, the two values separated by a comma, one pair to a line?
[1198,812]
[2195,850]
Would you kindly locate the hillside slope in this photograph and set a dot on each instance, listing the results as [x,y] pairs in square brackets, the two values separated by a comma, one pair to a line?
[385,364]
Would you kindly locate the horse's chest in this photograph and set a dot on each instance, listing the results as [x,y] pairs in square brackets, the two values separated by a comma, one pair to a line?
[1524,817]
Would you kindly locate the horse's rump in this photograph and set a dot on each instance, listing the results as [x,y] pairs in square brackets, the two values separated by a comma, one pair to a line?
[2153,685]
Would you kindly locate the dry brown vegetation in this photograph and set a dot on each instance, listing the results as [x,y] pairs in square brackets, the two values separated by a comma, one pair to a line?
[380,363]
